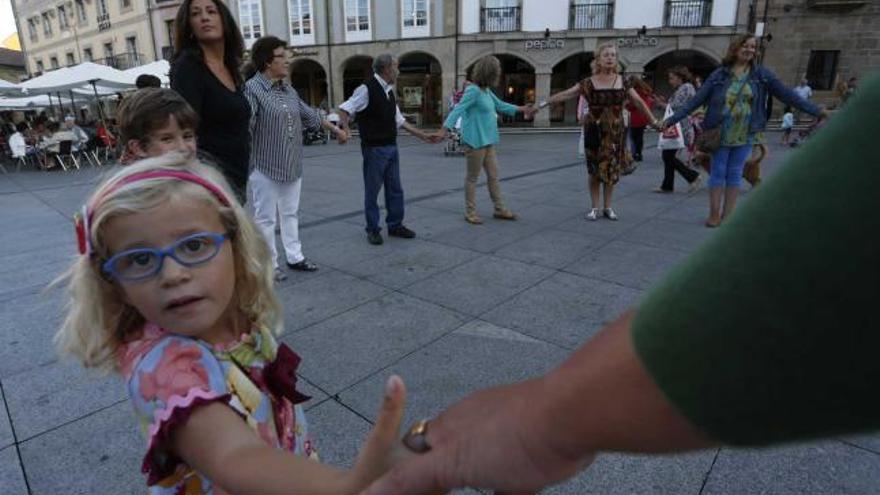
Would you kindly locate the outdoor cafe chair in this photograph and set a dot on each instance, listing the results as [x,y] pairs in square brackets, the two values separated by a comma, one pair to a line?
[65,155]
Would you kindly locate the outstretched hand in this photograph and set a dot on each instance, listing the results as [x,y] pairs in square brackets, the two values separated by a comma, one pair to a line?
[342,136]
[378,451]
[487,440]
[529,111]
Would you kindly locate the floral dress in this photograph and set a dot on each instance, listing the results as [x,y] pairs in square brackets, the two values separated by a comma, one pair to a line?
[739,112]
[608,157]
[168,376]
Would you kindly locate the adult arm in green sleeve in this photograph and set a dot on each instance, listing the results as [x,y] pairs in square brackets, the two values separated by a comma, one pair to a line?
[768,333]
[503,106]
[467,99]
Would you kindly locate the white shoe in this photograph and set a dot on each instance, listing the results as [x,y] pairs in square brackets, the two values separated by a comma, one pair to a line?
[696,184]
[593,215]
[609,214]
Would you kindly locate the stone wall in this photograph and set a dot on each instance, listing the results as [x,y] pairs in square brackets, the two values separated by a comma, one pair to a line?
[797,29]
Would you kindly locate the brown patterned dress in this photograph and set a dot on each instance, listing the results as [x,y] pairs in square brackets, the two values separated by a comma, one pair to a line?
[605,132]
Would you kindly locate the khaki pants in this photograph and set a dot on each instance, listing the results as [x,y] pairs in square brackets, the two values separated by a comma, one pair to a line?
[478,159]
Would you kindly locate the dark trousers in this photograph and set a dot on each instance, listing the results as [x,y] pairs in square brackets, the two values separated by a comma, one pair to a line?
[671,164]
[382,168]
[637,134]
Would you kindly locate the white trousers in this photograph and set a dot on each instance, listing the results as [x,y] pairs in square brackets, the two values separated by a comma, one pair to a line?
[271,198]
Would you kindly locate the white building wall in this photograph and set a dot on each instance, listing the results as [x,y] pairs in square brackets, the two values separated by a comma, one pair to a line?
[724,12]
[470,16]
[538,15]
[633,14]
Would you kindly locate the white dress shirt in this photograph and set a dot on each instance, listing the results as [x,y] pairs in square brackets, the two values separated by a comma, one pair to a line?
[361,98]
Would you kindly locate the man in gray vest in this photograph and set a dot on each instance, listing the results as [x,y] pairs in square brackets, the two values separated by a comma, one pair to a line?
[375,106]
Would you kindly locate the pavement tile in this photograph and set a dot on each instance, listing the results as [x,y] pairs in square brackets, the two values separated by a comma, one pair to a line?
[633,265]
[320,298]
[33,270]
[564,309]
[616,474]
[49,396]
[489,237]
[337,432]
[367,339]
[413,261]
[6,437]
[549,248]
[602,229]
[869,441]
[475,356]
[670,235]
[478,285]
[828,467]
[27,325]
[101,453]
[11,477]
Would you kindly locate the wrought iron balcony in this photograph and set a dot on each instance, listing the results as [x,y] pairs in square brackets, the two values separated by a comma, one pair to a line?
[688,13]
[592,16]
[500,19]
[123,60]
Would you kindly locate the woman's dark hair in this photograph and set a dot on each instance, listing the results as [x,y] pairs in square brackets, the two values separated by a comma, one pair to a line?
[21,126]
[186,44]
[682,73]
[733,49]
[262,54]
[640,85]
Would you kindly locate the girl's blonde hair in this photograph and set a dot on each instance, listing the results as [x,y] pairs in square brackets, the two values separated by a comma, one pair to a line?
[98,320]
[594,64]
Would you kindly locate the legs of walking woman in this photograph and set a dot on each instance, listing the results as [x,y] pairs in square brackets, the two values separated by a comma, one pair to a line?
[477,160]
[725,179]
[671,164]
[638,139]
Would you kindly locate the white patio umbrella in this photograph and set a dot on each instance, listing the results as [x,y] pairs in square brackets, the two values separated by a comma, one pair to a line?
[159,68]
[8,88]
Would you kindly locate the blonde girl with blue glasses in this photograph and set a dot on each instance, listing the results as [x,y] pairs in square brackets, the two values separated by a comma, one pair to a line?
[173,290]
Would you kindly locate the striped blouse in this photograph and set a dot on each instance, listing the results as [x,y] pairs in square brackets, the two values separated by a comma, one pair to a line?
[278,116]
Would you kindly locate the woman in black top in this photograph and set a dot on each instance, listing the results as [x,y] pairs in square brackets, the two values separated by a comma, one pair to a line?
[205,72]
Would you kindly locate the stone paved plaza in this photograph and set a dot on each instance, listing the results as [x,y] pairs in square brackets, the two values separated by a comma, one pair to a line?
[459,308]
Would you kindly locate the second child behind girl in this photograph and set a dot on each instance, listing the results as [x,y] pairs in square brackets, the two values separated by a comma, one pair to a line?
[155,121]
[173,290]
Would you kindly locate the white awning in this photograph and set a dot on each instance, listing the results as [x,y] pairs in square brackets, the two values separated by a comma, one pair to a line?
[159,68]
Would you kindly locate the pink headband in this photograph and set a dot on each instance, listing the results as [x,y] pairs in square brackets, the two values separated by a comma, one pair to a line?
[83,220]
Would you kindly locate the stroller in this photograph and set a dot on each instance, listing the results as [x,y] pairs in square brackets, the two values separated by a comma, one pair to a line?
[312,137]
[453,146]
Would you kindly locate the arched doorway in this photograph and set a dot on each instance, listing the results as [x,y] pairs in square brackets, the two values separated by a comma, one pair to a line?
[355,71]
[517,85]
[656,71]
[309,80]
[420,88]
[565,74]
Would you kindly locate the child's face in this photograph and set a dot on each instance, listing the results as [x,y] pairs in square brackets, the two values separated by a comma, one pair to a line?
[170,137]
[195,301]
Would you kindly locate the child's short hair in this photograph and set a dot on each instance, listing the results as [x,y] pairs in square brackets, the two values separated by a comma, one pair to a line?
[148,109]
[98,319]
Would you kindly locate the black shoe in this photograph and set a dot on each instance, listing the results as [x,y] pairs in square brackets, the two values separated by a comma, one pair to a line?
[637,158]
[401,231]
[375,238]
[303,266]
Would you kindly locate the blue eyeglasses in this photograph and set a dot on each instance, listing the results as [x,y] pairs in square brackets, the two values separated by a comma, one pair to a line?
[139,264]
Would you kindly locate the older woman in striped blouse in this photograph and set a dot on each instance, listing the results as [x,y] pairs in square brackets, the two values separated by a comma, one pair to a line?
[278,116]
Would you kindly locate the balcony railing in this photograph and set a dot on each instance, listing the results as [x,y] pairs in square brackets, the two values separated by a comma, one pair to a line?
[500,19]
[688,13]
[592,16]
[103,22]
[123,60]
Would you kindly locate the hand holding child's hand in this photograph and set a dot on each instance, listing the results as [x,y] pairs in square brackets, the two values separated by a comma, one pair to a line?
[376,455]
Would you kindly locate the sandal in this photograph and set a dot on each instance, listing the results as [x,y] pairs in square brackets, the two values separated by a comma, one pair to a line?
[504,215]
[473,218]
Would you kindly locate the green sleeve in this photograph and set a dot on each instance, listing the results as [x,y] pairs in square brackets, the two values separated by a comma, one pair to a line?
[768,332]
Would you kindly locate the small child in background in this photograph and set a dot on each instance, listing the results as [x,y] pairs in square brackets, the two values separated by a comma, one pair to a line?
[787,125]
[154,121]
[173,290]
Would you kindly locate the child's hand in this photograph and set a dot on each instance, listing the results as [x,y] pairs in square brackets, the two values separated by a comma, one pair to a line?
[376,455]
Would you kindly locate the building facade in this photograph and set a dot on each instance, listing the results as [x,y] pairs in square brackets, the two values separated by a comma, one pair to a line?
[544,45]
[11,65]
[62,33]
[825,41]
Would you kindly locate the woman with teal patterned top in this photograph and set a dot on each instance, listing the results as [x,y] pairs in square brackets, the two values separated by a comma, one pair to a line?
[736,97]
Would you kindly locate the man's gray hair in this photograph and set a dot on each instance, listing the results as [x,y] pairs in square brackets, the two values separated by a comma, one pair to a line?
[381,62]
